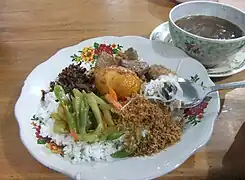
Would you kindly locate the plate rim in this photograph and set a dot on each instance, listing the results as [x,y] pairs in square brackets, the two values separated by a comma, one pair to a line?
[21,134]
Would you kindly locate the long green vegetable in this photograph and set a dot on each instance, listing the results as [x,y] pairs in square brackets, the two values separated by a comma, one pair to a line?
[83,114]
[95,108]
[102,103]
[71,120]
[74,111]
[114,135]
[76,102]
[108,118]
[88,137]
[121,154]
[60,94]
[105,109]
[67,108]
[56,116]
[61,113]
[83,117]
[60,127]
[98,99]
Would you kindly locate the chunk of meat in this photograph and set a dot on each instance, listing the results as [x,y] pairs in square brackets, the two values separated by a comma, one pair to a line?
[123,81]
[121,55]
[156,70]
[139,67]
[131,54]
[106,60]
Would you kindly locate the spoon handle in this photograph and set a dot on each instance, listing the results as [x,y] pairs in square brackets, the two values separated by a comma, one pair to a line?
[232,85]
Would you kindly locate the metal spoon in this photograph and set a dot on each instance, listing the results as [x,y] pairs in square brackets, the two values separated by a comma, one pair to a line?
[194,94]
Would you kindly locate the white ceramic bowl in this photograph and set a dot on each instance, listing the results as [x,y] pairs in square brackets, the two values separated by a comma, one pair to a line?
[210,52]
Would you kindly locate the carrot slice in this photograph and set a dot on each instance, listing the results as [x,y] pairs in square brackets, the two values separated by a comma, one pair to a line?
[111,100]
[113,93]
[74,135]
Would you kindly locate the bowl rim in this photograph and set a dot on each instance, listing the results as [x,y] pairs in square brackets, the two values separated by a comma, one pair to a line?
[200,37]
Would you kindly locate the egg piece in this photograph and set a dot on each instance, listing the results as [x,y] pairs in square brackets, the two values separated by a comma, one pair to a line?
[122,80]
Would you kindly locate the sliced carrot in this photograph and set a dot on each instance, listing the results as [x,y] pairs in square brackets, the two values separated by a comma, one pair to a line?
[74,135]
[111,100]
[113,94]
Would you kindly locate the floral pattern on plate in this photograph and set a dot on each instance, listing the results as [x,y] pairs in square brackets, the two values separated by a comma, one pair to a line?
[90,54]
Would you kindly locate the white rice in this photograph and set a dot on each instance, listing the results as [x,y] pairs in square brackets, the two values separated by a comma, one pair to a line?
[76,152]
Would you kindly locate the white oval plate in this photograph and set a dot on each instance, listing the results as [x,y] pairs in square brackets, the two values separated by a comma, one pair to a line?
[132,168]
[237,61]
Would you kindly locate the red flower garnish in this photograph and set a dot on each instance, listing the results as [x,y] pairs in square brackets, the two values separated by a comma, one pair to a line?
[102,45]
[96,51]
[108,50]
[200,116]
[189,112]
[203,105]
[198,111]
[104,48]
[38,135]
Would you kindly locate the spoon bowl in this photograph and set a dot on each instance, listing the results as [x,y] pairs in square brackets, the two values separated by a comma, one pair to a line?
[194,94]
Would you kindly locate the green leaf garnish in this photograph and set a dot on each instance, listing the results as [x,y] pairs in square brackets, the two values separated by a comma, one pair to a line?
[121,154]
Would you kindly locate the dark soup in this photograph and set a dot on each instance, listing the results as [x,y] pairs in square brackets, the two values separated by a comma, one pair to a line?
[210,27]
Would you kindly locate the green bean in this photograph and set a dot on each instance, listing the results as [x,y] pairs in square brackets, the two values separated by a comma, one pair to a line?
[121,154]
[98,99]
[60,127]
[76,102]
[70,119]
[56,116]
[107,132]
[60,94]
[61,113]
[108,118]
[88,137]
[114,135]
[105,109]
[95,108]
[91,123]
[102,104]
[83,114]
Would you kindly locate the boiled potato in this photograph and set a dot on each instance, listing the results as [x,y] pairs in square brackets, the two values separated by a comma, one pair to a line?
[123,81]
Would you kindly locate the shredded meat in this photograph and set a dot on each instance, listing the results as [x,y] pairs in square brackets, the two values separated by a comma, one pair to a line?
[155,120]
[74,76]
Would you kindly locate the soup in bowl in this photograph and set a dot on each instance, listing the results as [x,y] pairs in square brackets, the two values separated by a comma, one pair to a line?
[207,31]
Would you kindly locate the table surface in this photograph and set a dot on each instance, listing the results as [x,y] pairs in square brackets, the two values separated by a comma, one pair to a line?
[32,31]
